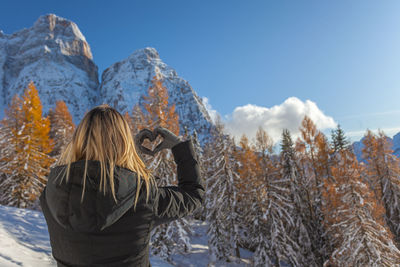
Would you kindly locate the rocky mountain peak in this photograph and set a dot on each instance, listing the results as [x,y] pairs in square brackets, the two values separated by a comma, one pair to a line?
[53,54]
[147,53]
[65,33]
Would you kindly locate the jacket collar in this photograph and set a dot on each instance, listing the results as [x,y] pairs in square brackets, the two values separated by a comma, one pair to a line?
[98,210]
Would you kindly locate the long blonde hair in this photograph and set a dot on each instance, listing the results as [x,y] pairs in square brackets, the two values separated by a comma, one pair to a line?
[104,135]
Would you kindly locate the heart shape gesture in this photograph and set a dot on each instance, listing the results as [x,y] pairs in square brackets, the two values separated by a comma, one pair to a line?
[146,134]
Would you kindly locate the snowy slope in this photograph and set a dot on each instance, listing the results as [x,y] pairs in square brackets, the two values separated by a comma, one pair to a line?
[24,241]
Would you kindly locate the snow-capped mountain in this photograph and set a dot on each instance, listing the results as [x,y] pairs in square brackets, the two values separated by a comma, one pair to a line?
[54,54]
[124,82]
[396,144]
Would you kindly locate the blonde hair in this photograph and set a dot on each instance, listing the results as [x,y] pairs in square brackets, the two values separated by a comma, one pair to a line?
[104,135]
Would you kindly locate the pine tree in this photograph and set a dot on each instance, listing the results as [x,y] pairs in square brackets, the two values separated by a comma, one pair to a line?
[339,140]
[383,172]
[62,127]
[300,198]
[25,160]
[220,200]
[273,211]
[167,239]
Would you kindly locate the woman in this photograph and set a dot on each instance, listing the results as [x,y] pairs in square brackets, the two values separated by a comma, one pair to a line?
[101,202]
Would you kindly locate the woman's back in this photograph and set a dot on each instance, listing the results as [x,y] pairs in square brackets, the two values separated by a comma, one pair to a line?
[102,227]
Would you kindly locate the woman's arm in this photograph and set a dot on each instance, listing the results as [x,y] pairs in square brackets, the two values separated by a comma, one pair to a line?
[173,202]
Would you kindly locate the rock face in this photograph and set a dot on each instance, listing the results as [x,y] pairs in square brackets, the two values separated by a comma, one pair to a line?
[124,82]
[54,54]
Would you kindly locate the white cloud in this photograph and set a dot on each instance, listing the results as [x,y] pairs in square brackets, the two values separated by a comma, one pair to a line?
[246,119]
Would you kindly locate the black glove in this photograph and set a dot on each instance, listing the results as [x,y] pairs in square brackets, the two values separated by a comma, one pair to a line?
[139,138]
[170,139]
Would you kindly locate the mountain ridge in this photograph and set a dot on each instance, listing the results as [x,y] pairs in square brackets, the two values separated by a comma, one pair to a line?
[55,55]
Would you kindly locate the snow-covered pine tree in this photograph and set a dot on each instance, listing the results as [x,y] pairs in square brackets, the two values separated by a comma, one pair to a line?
[167,239]
[272,211]
[62,127]
[383,170]
[10,126]
[25,162]
[354,221]
[220,201]
[301,205]
[170,238]
[339,140]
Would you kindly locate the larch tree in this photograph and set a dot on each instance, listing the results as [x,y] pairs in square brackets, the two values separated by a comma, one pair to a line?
[249,169]
[311,164]
[383,172]
[62,127]
[220,200]
[247,165]
[354,219]
[170,238]
[26,162]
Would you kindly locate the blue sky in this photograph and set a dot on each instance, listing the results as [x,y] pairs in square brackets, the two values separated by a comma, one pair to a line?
[344,56]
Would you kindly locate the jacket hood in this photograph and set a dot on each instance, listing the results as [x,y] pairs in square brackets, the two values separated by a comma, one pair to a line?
[98,210]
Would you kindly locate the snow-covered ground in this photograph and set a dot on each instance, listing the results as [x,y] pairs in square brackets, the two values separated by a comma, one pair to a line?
[24,241]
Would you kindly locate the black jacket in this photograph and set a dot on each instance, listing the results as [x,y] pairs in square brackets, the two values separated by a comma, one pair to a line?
[99,232]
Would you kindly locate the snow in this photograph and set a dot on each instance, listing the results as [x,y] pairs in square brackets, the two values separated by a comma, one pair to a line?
[47,49]
[54,54]
[24,241]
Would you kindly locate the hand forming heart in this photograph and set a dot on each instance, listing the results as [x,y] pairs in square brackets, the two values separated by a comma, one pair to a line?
[145,134]
[169,139]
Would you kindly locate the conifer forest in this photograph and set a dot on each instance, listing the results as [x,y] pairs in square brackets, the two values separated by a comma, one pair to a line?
[312,203]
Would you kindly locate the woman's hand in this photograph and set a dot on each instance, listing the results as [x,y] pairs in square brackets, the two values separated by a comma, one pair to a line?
[139,138]
[170,139]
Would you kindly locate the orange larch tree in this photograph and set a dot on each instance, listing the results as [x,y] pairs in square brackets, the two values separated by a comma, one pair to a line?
[62,127]
[383,174]
[353,218]
[157,111]
[313,154]
[27,167]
